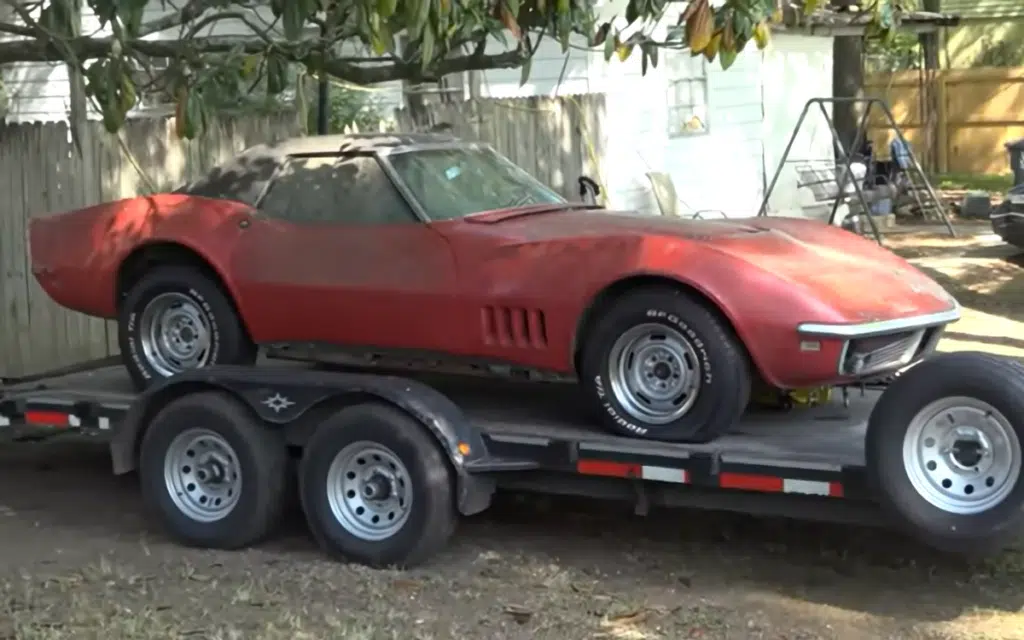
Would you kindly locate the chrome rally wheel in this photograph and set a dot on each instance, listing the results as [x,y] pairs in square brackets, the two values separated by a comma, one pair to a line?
[655,373]
[175,333]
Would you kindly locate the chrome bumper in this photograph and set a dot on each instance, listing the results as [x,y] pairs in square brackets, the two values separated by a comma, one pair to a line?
[874,348]
[880,327]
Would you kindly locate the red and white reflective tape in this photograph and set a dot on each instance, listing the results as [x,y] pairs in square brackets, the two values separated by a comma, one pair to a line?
[728,480]
[57,419]
[774,484]
[628,470]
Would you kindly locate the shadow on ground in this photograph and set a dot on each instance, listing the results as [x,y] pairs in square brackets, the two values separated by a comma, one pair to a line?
[63,494]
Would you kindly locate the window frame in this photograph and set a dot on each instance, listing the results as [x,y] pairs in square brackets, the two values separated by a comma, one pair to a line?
[674,126]
[415,215]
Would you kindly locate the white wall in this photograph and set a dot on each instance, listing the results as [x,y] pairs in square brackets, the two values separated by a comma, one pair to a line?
[796,69]
[39,91]
[546,72]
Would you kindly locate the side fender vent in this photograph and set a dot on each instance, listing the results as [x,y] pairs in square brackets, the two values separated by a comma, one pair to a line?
[514,327]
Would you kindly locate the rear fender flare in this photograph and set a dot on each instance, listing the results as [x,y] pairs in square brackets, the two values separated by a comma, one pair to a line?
[294,399]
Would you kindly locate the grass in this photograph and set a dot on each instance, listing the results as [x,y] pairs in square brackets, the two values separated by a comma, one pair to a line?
[536,576]
[974,182]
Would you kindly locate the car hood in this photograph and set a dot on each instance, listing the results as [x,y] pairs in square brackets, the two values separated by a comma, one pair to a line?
[858,279]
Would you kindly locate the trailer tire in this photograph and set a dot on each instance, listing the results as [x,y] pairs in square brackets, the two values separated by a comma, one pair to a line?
[944,452]
[376,488]
[212,474]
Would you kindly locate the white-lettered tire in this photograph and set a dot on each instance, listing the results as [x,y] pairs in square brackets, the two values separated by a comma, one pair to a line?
[944,452]
[212,474]
[661,365]
[176,318]
[376,488]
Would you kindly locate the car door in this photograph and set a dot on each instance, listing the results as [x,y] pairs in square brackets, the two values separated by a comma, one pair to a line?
[337,256]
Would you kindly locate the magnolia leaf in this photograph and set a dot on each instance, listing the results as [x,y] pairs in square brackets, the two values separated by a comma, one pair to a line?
[524,73]
[726,58]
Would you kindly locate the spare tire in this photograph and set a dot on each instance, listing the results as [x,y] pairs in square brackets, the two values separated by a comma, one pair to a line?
[944,452]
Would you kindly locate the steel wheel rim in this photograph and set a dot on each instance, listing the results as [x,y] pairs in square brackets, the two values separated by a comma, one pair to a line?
[175,334]
[962,455]
[202,475]
[369,491]
[655,373]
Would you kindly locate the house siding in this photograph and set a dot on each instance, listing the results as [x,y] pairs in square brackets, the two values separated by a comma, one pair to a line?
[753,108]
[795,69]
[40,92]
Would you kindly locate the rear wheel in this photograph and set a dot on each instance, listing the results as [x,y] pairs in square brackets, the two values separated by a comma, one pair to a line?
[661,365]
[175,319]
[376,488]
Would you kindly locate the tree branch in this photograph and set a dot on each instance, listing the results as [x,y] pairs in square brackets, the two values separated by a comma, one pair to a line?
[192,10]
[355,70]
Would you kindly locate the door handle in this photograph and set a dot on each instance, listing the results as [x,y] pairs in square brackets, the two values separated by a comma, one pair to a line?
[244,224]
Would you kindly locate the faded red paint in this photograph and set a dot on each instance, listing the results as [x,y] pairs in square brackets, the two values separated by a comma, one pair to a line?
[435,286]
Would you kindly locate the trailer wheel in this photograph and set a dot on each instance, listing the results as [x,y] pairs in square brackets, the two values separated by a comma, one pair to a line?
[944,451]
[376,488]
[212,474]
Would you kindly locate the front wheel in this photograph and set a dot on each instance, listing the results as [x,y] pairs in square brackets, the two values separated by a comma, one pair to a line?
[376,488]
[661,365]
[944,451]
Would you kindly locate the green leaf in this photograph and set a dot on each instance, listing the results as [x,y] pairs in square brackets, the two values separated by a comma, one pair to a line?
[632,11]
[386,8]
[292,19]
[427,48]
[727,58]
[524,73]
[609,48]
[277,73]
[194,118]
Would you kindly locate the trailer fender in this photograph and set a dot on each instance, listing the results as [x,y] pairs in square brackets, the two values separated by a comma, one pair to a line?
[283,397]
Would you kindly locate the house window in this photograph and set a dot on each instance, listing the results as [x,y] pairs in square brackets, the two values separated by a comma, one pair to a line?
[687,93]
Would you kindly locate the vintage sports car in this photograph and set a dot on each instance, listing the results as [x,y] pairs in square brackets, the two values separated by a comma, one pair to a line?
[431,247]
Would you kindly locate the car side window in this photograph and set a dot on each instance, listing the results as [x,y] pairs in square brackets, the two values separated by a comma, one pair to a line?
[335,189]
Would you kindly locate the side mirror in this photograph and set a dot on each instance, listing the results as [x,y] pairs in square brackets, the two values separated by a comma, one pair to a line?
[588,187]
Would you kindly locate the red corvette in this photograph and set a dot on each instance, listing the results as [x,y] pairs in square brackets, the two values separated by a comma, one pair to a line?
[426,245]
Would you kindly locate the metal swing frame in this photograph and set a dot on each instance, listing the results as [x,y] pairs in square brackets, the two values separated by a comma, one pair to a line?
[867,105]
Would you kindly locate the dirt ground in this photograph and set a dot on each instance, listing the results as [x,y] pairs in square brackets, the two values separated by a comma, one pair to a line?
[78,560]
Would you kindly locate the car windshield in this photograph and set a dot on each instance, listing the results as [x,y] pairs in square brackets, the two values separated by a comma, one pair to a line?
[452,183]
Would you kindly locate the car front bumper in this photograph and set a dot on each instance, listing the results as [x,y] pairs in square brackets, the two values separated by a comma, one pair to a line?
[874,348]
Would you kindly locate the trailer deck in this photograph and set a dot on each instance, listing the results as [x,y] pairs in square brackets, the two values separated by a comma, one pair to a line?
[546,426]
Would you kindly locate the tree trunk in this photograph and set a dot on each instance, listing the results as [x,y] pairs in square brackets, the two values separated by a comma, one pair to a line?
[847,82]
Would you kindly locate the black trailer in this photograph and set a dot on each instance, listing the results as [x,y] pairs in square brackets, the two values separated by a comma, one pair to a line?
[385,464]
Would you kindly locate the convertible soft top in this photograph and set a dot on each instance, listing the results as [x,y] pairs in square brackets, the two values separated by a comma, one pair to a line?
[244,177]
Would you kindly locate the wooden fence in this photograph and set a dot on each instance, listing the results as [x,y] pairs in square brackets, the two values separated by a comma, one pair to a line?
[41,172]
[555,139]
[978,110]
